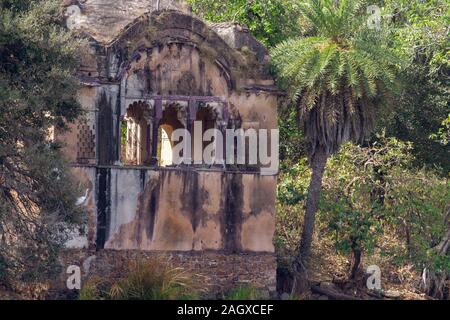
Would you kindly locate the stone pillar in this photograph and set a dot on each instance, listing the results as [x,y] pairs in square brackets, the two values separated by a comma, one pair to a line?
[148,142]
[134,142]
[191,115]
[158,113]
[223,128]
[129,146]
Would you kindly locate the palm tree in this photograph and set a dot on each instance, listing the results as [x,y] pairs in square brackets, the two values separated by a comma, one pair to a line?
[337,76]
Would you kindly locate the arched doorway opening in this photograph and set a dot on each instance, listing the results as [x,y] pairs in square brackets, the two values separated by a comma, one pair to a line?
[168,124]
[135,135]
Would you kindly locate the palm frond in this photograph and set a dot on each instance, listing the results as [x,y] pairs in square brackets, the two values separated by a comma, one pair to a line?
[339,75]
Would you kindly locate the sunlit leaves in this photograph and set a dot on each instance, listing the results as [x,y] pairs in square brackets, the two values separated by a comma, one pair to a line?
[270,21]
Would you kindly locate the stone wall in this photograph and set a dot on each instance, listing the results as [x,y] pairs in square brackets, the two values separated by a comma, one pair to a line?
[179,209]
[216,272]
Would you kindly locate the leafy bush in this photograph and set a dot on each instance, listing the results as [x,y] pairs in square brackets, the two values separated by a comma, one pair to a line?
[368,193]
[418,206]
[293,183]
[443,134]
[269,21]
[356,185]
[38,87]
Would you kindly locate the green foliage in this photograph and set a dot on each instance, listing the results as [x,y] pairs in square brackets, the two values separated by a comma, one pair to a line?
[293,185]
[370,193]
[91,290]
[123,133]
[422,29]
[417,115]
[355,188]
[289,227]
[374,189]
[37,91]
[151,280]
[339,74]
[270,21]
[243,292]
[421,33]
[443,135]
[417,202]
[292,146]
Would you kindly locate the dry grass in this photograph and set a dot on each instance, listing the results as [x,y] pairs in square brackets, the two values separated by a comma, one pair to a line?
[152,279]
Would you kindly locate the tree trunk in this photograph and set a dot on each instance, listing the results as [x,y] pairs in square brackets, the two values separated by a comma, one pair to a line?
[356,263]
[318,163]
[408,239]
[436,284]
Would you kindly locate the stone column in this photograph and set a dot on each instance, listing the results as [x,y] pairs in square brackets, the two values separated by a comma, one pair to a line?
[223,128]
[134,141]
[129,146]
[148,141]
[191,115]
[158,113]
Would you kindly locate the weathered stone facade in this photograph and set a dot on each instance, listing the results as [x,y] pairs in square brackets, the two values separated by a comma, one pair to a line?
[149,72]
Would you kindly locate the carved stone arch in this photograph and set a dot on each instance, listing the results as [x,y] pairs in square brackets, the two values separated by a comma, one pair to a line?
[180,107]
[135,130]
[216,109]
[155,30]
[174,69]
[132,105]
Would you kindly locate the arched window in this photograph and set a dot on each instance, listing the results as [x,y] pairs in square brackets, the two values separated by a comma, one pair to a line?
[135,135]
[147,128]
[168,124]
[207,117]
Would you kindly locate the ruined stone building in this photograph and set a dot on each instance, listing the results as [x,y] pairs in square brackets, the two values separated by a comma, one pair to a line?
[148,72]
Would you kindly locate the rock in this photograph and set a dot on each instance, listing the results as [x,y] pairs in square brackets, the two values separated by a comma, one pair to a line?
[264,295]
[87,264]
[272,288]
[285,296]
[392,294]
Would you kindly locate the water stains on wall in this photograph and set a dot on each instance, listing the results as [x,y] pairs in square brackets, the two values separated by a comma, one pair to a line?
[184,210]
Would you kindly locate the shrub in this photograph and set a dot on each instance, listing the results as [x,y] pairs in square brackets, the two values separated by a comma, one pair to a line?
[149,280]
[369,193]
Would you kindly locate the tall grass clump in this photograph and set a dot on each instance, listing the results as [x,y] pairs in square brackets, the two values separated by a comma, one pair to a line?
[243,292]
[145,280]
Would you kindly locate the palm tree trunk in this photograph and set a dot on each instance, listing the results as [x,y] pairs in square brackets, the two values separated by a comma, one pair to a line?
[318,163]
